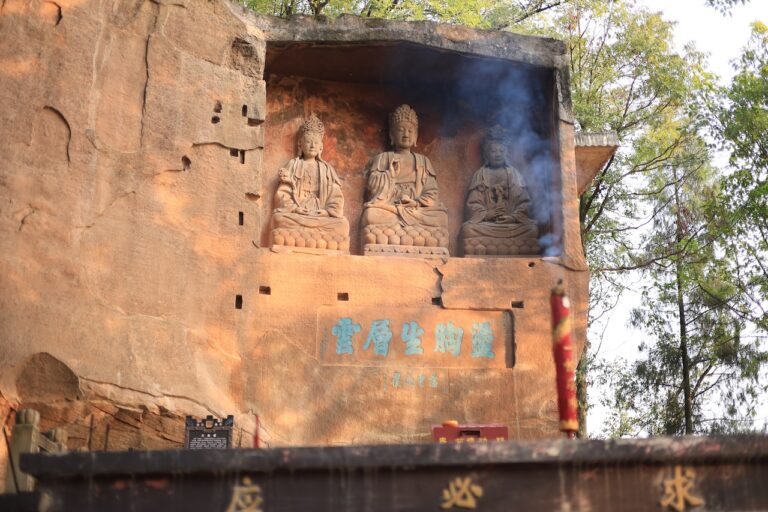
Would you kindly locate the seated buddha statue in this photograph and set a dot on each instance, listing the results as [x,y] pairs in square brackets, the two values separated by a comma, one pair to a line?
[402,213]
[497,206]
[309,205]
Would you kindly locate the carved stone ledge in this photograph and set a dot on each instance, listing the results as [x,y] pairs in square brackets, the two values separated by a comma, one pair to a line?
[405,250]
[306,250]
[310,239]
[479,246]
[396,235]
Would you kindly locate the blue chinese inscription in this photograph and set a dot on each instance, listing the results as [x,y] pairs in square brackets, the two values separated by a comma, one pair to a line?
[482,340]
[380,335]
[448,338]
[412,337]
[344,329]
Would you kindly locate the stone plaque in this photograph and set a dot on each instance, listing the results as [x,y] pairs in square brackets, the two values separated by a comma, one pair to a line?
[209,433]
[426,337]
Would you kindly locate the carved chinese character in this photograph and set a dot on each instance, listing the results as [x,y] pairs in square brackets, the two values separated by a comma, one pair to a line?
[344,330]
[246,497]
[677,490]
[482,340]
[448,338]
[412,337]
[380,335]
[461,493]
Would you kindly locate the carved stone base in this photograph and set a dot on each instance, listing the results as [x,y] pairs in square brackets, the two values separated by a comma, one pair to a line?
[310,238]
[407,236]
[305,250]
[482,246]
[405,250]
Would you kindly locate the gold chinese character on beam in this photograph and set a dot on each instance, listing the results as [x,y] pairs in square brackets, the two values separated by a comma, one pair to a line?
[677,490]
[461,493]
[246,497]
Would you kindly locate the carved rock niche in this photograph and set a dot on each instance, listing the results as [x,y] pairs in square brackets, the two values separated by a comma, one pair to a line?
[353,87]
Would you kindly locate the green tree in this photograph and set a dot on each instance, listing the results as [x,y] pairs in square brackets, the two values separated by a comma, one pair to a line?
[705,305]
[698,372]
[466,12]
[743,123]
[626,78]
[495,14]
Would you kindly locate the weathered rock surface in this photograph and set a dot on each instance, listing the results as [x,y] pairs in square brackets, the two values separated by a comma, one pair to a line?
[119,201]
[138,152]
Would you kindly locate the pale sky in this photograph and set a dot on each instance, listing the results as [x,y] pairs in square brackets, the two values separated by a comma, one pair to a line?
[720,36]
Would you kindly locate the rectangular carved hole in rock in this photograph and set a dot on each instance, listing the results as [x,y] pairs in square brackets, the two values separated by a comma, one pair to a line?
[242,156]
[217,107]
[234,152]
[245,110]
[517,304]
[253,122]
[343,296]
[240,218]
[511,346]
[238,302]
[437,301]
[265,290]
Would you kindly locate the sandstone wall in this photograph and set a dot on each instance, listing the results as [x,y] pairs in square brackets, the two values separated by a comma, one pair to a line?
[119,201]
[133,207]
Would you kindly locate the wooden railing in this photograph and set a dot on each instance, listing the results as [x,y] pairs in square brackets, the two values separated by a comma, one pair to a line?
[27,438]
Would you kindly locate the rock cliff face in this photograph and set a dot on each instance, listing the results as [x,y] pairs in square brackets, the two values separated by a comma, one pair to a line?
[131,138]
[134,206]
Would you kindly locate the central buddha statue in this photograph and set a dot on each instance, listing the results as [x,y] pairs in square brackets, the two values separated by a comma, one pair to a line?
[403,213]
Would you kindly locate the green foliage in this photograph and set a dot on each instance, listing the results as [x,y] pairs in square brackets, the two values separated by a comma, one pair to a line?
[698,372]
[494,14]
[725,6]
[466,12]
[704,303]
[743,122]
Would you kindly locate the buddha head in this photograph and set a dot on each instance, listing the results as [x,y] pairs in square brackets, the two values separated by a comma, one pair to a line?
[403,127]
[495,148]
[311,138]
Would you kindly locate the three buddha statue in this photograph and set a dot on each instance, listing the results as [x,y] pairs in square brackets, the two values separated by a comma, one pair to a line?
[402,213]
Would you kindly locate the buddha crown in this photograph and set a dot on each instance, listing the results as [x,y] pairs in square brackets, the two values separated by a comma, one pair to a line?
[497,133]
[313,125]
[404,113]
